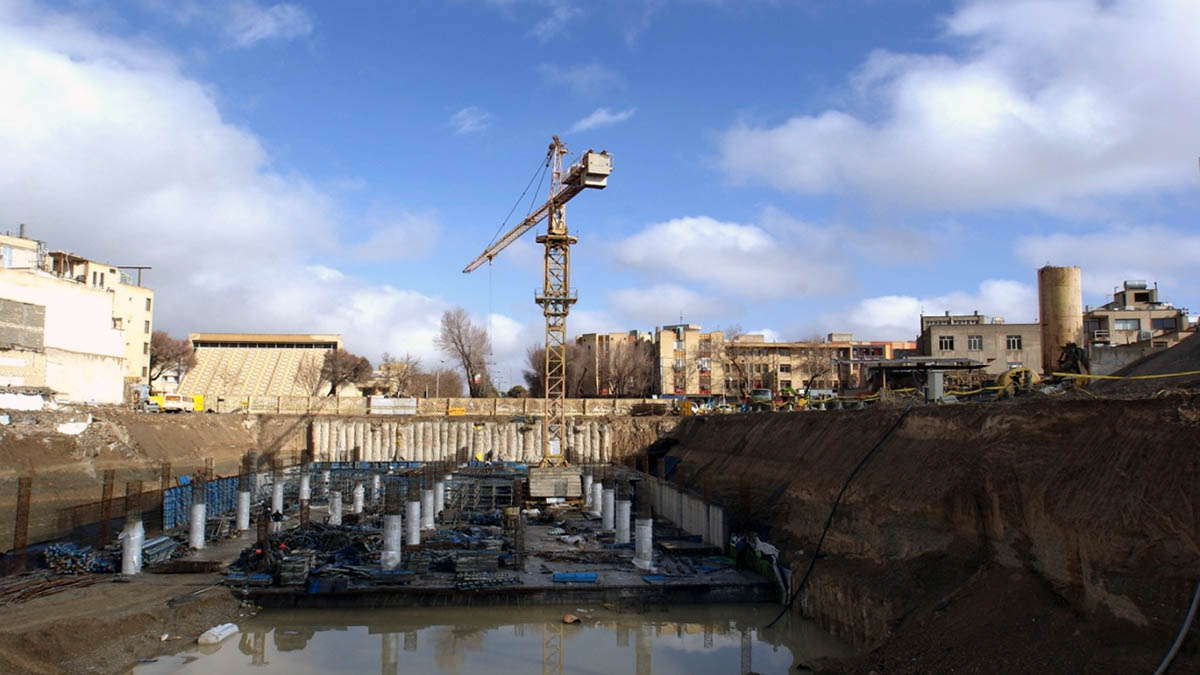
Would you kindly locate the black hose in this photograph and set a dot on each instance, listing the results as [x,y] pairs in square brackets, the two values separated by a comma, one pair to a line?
[1183,631]
[829,521]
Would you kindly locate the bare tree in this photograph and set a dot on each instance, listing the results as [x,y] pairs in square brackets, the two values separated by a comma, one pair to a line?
[535,370]
[399,373]
[444,382]
[308,377]
[811,362]
[735,369]
[342,368]
[168,353]
[627,368]
[468,344]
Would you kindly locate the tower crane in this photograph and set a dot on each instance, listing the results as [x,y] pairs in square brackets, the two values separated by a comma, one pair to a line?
[557,296]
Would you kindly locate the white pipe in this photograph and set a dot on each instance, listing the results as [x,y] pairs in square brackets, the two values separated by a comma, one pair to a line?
[335,508]
[643,555]
[277,503]
[412,522]
[325,478]
[439,497]
[606,509]
[427,509]
[132,539]
[587,490]
[196,526]
[359,494]
[622,524]
[305,487]
[597,497]
[243,511]
[375,489]
[393,531]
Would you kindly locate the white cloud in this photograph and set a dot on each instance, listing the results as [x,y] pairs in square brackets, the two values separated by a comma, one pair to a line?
[659,305]
[249,23]
[585,81]
[1048,104]
[471,120]
[602,117]
[397,236]
[1109,257]
[738,259]
[115,155]
[898,317]
[557,14]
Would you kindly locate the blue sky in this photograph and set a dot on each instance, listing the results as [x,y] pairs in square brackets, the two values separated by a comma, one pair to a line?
[791,167]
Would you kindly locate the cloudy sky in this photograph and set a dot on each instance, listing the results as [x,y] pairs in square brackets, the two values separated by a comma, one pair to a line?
[791,167]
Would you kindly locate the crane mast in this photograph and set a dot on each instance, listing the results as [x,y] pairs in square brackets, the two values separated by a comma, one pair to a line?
[556,296]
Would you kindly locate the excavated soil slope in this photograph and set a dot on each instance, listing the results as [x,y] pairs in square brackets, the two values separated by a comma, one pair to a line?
[971,522]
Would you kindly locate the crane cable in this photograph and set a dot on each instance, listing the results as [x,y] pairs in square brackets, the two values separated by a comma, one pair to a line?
[829,521]
[540,170]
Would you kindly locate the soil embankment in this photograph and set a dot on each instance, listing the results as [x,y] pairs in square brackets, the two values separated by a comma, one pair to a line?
[1064,533]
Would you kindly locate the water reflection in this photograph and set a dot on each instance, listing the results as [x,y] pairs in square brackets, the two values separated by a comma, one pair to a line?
[724,639]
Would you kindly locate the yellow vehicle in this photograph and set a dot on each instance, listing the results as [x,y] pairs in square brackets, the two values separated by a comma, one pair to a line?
[178,402]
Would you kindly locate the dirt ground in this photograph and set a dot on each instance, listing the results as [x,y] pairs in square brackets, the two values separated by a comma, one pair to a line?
[108,627]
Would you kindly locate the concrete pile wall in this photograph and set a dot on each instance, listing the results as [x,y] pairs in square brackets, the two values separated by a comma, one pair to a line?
[689,512]
[450,440]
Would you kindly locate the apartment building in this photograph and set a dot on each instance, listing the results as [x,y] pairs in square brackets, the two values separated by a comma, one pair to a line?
[688,361]
[754,363]
[851,373]
[617,364]
[132,305]
[999,345]
[1135,315]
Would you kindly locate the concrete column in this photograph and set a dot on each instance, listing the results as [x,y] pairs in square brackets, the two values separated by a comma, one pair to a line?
[587,491]
[375,489]
[393,530]
[426,442]
[403,449]
[435,441]
[427,509]
[643,546]
[622,521]
[584,441]
[597,497]
[243,510]
[277,503]
[360,440]
[606,444]
[447,449]
[597,439]
[343,441]
[439,497]
[326,476]
[305,486]
[607,508]
[132,539]
[359,494]
[414,442]
[389,653]
[335,508]
[389,442]
[412,520]
[196,523]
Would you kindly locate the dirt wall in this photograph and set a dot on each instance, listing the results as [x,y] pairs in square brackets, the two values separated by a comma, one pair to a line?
[1099,500]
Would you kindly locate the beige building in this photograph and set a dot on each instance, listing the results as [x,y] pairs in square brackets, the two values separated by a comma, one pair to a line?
[617,364]
[257,364]
[1135,315]
[132,305]
[1000,346]
[751,362]
[688,362]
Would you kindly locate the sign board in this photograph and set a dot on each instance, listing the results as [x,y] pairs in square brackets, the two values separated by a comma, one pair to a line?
[383,405]
[456,412]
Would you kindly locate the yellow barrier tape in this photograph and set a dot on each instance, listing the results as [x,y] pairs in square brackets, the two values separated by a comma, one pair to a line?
[1124,377]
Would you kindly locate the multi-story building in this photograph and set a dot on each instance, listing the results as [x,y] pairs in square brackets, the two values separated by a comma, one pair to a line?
[132,310]
[689,362]
[751,362]
[1134,315]
[999,345]
[63,333]
[851,373]
[617,364]
[256,364]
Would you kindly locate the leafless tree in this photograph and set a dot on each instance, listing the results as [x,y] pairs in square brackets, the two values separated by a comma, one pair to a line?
[535,369]
[627,368]
[168,353]
[444,382]
[811,362]
[308,377]
[736,369]
[466,343]
[399,373]
[342,368]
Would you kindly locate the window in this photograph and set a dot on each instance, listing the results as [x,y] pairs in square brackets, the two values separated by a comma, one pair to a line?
[1128,324]
[785,384]
[785,367]
[975,343]
[1012,343]
[102,279]
[1165,323]
[705,364]
[680,364]
[946,342]
[783,351]
[147,326]
[147,304]
[679,345]
[145,347]
[143,371]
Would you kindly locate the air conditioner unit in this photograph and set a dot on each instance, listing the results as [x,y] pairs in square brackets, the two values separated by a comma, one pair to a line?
[1145,335]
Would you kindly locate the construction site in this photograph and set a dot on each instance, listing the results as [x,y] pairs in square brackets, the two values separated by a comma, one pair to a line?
[1027,525]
